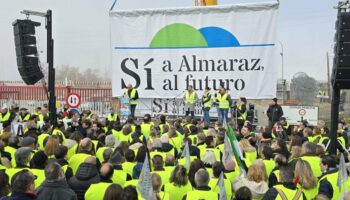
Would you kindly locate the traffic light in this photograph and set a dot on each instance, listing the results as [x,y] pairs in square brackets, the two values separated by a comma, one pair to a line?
[26,51]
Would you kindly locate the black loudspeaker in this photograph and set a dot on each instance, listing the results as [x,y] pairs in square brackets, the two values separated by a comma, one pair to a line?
[341,63]
[26,51]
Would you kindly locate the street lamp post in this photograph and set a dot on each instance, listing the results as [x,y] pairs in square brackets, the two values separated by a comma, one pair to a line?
[283,82]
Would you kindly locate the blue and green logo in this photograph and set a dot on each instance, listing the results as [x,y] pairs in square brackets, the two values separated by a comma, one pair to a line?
[180,35]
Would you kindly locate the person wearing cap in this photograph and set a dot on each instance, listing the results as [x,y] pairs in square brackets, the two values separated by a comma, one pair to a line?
[274,112]
[190,99]
[24,115]
[206,103]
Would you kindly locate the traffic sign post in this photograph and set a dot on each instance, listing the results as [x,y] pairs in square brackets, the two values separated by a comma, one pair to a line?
[73,100]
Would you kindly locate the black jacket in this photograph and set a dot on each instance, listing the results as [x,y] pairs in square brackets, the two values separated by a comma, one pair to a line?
[86,175]
[55,190]
[274,112]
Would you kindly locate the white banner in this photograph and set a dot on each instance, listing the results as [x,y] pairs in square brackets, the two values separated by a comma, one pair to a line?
[295,114]
[162,51]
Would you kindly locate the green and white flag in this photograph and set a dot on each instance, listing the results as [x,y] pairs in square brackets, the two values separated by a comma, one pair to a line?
[237,152]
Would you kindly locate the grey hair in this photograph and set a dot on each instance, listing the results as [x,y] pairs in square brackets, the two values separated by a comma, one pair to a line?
[201,178]
[22,156]
[110,141]
[309,148]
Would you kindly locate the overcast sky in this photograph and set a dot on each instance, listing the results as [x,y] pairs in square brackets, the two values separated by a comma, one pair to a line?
[81,32]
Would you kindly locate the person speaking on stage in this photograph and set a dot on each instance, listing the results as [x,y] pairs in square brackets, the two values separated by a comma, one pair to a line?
[190,99]
[131,93]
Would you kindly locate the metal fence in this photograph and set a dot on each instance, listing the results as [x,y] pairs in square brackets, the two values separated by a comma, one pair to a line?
[95,97]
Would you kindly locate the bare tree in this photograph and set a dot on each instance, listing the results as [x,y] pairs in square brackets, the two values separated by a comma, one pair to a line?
[303,88]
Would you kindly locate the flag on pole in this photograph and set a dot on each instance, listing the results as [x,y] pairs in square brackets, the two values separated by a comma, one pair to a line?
[186,154]
[144,184]
[237,152]
[342,173]
[227,154]
[221,184]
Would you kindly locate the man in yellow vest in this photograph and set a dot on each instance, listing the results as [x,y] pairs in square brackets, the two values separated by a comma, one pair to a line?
[5,115]
[328,180]
[24,115]
[190,99]
[131,93]
[224,101]
[55,184]
[285,189]
[206,103]
[113,116]
[202,190]
[97,190]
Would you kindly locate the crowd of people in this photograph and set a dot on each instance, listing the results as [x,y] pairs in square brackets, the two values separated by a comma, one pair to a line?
[88,157]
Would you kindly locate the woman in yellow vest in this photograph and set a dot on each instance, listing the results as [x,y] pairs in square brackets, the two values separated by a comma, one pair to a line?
[51,146]
[126,134]
[179,184]
[157,183]
[307,181]
[249,152]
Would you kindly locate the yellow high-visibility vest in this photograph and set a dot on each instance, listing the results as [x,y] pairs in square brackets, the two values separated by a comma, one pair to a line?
[201,195]
[76,160]
[223,102]
[190,98]
[99,153]
[208,99]
[132,95]
[25,118]
[112,118]
[314,162]
[177,192]
[41,139]
[128,167]
[5,117]
[12,151]
[288,192]
[227,184]
[96,191]
[332,178]
[243,115]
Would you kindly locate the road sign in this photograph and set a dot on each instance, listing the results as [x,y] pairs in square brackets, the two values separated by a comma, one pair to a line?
[302,112]
[73,100]
[293,114]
